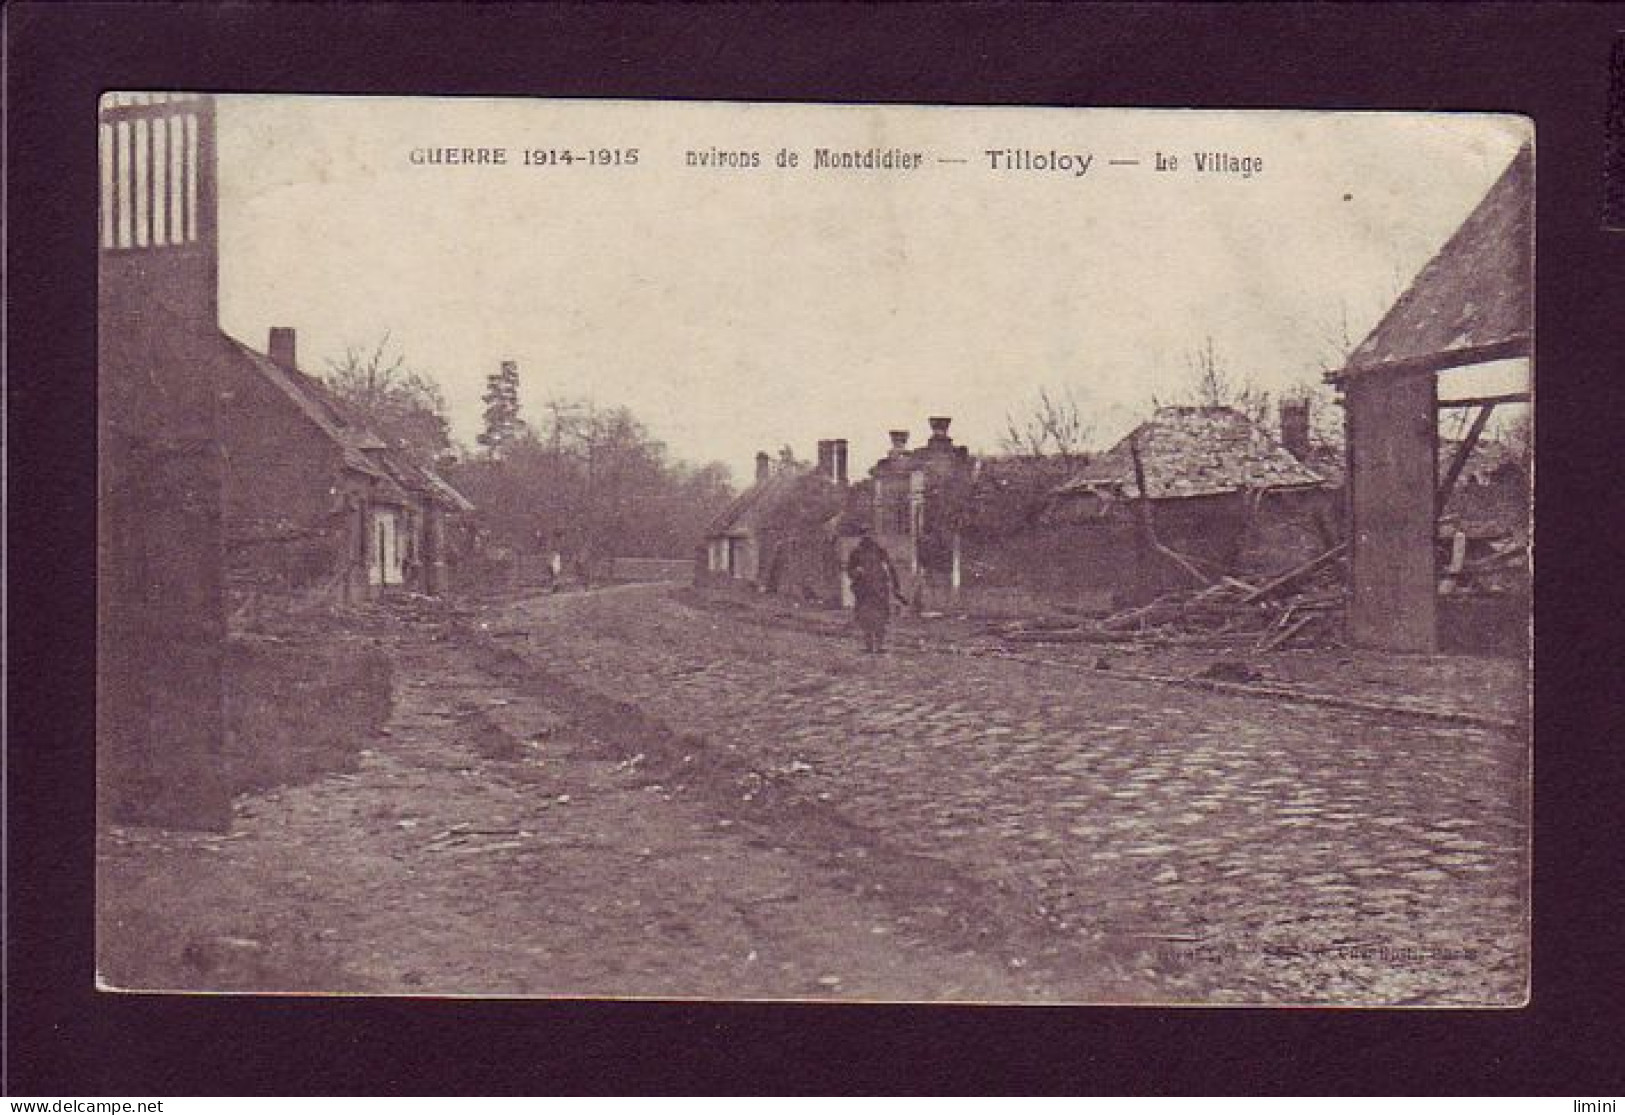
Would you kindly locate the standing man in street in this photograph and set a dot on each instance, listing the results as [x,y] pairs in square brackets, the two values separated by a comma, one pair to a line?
[874,585]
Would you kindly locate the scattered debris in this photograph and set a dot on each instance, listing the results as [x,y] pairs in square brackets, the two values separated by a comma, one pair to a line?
[1231,669]
[1302,605]
[481,849]
[1483,558]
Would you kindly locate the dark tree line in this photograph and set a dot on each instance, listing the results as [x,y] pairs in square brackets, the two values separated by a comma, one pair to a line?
[586,480]
[592,483]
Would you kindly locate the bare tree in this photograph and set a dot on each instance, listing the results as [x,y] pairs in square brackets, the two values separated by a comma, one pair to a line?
[1054,426]
[1211,383]
[402,405]
[1336,340]
[1518,432]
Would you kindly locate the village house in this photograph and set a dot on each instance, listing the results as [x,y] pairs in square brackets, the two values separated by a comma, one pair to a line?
[782,533]
[791,532]
[308,497]
[1193,493]
[1225,497]
[314,499]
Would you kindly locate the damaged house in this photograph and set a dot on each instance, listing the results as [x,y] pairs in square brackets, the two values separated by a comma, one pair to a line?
[1191,494]
[791,532]
[917,499]
[1470,307]
[219,467]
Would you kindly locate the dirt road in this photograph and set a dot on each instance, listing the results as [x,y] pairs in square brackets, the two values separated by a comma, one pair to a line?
[487,845]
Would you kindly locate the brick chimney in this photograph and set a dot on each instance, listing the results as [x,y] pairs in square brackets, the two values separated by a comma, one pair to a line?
[939,431]
[1295,427]
[282,348]
[826,459]
[838,448]
[899,442]
[764,466]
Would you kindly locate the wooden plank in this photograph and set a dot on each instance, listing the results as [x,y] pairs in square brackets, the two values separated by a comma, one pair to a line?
[1287,579]
[1285,633]
[152,182]
[117,188]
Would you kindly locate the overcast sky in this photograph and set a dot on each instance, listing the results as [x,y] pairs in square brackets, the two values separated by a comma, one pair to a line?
[737,309]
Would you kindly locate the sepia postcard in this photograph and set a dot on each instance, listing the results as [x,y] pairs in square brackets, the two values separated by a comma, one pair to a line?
[881,553]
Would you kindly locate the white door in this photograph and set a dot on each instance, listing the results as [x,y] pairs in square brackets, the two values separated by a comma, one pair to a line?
[384,564]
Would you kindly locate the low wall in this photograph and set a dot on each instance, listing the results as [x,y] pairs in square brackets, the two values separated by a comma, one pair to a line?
[651,569]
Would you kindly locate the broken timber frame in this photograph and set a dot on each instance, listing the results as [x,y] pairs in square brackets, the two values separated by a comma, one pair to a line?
[1486,405]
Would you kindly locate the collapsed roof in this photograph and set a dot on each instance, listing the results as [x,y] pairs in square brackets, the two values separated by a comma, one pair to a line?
[1188,451]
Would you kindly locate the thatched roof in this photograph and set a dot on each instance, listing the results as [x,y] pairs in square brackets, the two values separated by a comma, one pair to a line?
[1192,451]
[1472,303]
[755,506]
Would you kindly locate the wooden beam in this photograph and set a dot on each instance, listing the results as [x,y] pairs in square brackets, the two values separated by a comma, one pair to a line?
[1484,400]
[1285,580]
[1432,363]
[1147,527]
[1463,451]
[1276,638]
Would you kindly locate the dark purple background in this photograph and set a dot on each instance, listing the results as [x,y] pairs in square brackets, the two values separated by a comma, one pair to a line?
[1550,62]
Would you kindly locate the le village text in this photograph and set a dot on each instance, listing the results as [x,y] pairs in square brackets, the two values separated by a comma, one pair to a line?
[1071,163]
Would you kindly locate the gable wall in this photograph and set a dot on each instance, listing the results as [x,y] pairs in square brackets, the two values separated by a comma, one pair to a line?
[280,504]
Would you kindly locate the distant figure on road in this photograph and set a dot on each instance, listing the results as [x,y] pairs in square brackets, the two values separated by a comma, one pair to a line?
[874,585]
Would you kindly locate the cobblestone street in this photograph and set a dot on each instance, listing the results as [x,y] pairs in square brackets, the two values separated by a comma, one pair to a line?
[628,793]
[1198,846]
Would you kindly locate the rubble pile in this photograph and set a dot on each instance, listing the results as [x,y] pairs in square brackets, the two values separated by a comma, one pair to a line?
[1300,607]
[1480,561]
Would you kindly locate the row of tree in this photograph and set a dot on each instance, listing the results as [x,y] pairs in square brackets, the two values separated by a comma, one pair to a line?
[585,480]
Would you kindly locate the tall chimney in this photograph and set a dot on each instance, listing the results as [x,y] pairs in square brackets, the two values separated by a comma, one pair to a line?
[826,460]
[1295,427]
[939,430]
[282,348]
[764,467]
[839,448]
[899,442]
